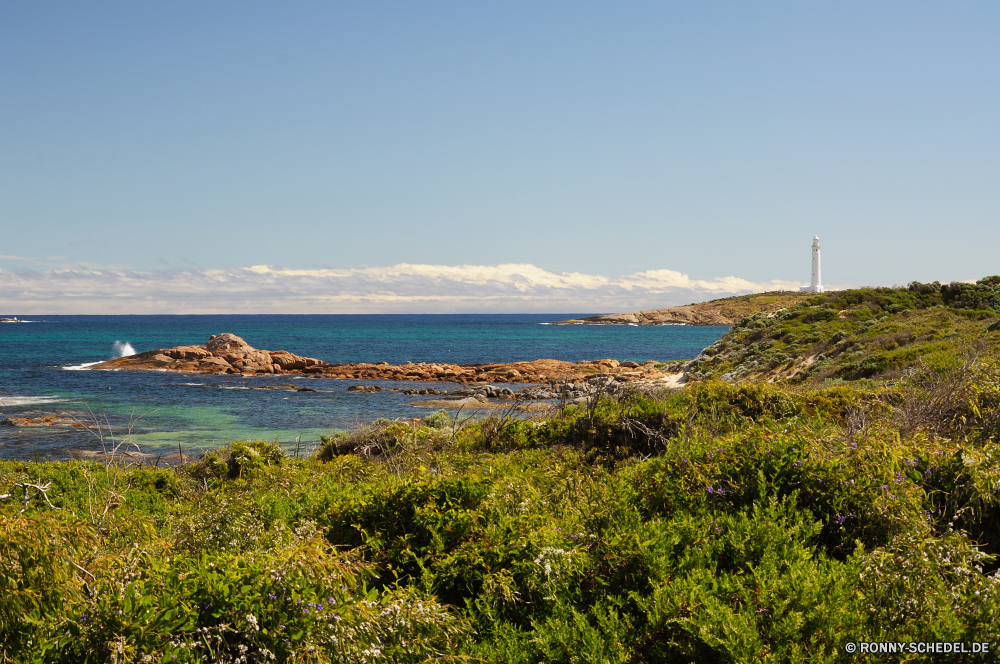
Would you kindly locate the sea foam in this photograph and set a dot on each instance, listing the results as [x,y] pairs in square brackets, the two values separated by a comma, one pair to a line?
[6,402]
[118,348]
[81,367]
[122,349]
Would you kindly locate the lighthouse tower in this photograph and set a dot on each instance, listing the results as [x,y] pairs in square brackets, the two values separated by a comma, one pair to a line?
[816,286]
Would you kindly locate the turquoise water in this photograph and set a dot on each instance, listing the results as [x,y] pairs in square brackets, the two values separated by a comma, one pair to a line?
[165,410]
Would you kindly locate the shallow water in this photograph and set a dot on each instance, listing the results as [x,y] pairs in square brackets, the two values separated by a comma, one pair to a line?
[164,409]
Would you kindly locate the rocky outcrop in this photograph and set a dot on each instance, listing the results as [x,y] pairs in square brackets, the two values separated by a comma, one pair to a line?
[223,353]
[727,311]
[42,421]
[228,353]
[538,371]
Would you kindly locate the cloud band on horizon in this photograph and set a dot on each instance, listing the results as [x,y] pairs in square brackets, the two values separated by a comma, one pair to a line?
[403,288]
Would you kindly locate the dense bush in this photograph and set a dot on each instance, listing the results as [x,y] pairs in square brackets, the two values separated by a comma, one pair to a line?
[239,459]
[724,522]
[439,419]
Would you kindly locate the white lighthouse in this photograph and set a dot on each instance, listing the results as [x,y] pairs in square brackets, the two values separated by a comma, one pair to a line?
[816,286]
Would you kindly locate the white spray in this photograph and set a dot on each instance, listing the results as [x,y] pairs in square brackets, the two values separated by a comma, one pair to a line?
[122,349]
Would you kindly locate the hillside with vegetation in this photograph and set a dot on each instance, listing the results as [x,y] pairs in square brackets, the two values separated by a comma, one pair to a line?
[724,311]
[737,520]
[867,333]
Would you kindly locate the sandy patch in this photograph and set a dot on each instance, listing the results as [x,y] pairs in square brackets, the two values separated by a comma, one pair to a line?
[466,403]
[671,381]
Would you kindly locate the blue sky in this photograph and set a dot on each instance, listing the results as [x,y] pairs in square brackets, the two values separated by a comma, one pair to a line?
[711,140]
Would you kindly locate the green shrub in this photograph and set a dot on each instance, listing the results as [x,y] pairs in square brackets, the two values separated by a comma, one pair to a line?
[239,459]
[39,575]
[216,463]
[249,457]
[379,439]
[298,604]
[748,584]
[725,522]
[439,419]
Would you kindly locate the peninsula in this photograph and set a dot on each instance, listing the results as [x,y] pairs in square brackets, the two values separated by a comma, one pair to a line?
[726,311]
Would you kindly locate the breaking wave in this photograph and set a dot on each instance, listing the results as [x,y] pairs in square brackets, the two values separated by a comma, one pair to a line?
[122,349]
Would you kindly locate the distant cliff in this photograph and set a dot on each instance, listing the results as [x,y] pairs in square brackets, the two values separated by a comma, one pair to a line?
[727,311]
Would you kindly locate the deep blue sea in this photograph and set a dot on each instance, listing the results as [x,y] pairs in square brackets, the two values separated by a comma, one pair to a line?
[37,375]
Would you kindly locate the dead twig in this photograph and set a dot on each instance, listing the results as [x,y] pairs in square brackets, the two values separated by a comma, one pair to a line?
[40,490]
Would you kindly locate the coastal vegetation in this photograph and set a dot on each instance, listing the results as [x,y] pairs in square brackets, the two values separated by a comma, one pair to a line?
[867,333]
[791,499]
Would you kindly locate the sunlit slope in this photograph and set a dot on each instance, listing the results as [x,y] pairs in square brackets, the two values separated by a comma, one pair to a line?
[724,311]
[859,333]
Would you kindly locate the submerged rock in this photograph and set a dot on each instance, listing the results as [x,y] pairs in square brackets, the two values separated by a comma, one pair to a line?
[43,421]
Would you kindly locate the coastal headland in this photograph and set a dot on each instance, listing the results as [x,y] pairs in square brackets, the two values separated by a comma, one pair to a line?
[726,311]
[230,354]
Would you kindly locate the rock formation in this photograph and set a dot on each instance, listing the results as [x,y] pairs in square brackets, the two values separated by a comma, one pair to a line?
[228,353]
[224,353]
[42,421]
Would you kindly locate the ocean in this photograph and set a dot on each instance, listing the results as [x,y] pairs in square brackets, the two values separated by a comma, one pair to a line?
[42,373]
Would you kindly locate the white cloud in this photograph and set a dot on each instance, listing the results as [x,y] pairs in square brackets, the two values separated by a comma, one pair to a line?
[400,288]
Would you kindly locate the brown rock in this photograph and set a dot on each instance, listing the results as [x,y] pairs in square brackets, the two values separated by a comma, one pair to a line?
[287,361]
[214,364]
[43,421]
[237,352]
[228,353]
[187,353]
